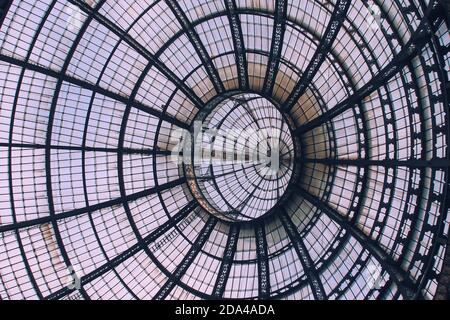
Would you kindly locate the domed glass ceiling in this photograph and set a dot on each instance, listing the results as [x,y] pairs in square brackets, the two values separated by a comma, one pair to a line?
[324,149]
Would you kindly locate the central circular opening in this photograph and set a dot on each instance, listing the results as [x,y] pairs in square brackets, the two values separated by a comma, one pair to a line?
[241,157]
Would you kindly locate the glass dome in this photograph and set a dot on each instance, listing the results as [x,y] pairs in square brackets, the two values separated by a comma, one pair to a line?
[218,149]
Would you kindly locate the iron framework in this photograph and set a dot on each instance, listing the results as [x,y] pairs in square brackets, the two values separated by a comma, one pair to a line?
[93,96]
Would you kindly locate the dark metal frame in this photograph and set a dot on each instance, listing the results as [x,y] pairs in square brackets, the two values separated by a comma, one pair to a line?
[279,27]
[422,37]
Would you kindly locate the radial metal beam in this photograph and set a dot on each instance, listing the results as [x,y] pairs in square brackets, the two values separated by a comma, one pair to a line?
[187,260]
[4,7]
[94,88]
[133,250]
[302,252]
[147,152]
[334,25]
[388,163]
[405,284]
[238,42]
[225,267]
[411,49]
[446,9]
[198,45]
[95,207]
[263,262]
[279,27]
[139,48]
